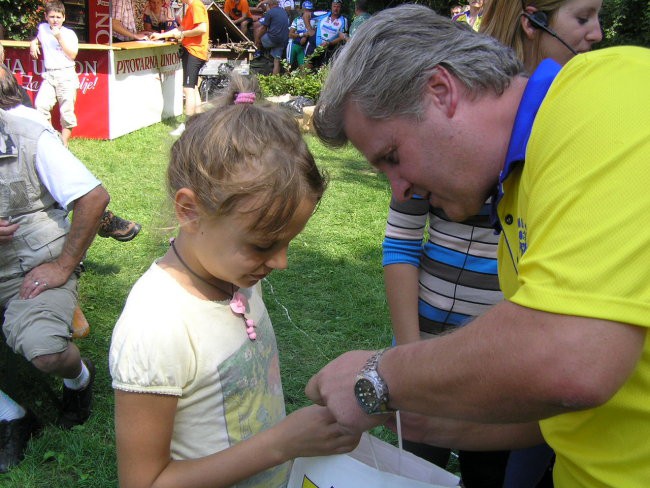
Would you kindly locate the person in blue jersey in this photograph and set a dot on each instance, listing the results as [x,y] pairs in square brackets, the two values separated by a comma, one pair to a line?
[331,34]
[299,33]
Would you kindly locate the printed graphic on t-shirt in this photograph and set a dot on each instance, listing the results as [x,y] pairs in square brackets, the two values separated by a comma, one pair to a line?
[253,399]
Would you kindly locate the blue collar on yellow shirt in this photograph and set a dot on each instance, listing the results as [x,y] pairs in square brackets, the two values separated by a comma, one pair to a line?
[534,94]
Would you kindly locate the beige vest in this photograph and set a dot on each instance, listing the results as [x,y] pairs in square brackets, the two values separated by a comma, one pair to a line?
[43,223]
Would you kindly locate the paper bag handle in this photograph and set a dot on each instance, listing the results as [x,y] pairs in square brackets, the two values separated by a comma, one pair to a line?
[399,445]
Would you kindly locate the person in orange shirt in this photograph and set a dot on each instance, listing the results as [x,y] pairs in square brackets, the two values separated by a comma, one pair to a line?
[239,12]
[193,34]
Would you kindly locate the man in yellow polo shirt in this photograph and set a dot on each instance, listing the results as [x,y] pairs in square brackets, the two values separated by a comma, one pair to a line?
[564,152]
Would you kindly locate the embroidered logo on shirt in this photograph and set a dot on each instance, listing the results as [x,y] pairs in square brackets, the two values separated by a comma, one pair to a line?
[523,243]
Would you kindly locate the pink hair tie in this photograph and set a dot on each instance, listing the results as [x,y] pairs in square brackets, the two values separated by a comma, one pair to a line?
[245,97]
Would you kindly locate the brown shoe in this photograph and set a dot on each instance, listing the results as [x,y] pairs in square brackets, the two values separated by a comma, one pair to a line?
[119,229]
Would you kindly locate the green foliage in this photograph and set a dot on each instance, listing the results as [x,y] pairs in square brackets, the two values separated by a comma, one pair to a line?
[440,6]
[623,21]
[626,22]
[298,82]
[19,18]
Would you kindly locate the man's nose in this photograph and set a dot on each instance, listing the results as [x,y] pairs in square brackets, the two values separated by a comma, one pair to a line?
[402,189]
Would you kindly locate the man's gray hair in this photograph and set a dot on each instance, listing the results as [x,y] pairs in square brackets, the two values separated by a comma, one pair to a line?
[385,67]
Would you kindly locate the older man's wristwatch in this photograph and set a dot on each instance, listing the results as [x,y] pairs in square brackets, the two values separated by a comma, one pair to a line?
[370,389]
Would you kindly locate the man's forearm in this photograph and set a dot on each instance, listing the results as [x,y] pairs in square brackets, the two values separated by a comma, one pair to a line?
[87,212]
[337,40]
[470,436]
[513,364]
[197,30]
[121,30]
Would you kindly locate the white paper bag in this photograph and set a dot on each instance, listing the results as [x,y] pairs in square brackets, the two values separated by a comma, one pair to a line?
[373,464]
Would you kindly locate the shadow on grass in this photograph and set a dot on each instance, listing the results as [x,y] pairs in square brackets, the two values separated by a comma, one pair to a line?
[102,268]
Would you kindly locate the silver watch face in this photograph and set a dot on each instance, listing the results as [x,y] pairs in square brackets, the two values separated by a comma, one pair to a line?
[366,395]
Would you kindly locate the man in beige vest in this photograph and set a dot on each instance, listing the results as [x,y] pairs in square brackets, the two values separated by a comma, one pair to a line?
[40,252]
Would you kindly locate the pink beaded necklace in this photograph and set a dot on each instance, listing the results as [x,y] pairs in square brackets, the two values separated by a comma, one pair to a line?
[238,301]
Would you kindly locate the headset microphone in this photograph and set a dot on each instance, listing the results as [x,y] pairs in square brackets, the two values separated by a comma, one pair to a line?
[540,21]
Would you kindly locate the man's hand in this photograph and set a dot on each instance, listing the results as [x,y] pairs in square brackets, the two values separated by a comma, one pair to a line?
[43,277]
[87,211]
[7,230]
[333,387]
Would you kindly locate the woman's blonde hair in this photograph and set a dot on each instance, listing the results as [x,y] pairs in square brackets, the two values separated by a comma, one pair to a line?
[245,157]
[502,20]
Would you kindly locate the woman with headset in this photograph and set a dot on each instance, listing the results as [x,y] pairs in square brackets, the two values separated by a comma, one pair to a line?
[539,29]
[536,30]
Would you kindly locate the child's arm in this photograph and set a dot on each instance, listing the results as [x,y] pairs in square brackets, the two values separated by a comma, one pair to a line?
[69,46]
[34,48]
[144,425]
[143,430]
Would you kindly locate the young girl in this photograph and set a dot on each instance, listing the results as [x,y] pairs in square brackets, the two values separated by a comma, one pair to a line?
[194,361]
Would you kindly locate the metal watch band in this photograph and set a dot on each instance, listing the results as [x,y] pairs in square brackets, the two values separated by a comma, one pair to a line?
[370,373]
[373,362]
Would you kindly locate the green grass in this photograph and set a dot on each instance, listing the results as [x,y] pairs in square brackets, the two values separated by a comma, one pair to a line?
[331,299]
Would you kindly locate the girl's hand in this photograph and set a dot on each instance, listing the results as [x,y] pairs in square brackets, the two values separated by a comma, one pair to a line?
[313,431]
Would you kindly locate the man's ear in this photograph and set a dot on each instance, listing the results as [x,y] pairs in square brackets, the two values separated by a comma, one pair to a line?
[187,209]
[443,90]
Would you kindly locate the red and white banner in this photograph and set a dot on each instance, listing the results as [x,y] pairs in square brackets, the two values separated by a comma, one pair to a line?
[99,22]
[120,90]
[91,108]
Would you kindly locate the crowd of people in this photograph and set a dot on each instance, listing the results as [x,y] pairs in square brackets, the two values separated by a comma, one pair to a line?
[290,32]
[279,28]
[511,253]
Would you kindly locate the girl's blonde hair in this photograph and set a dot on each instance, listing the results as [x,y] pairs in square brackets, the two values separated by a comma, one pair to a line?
[502,20]
[246,157]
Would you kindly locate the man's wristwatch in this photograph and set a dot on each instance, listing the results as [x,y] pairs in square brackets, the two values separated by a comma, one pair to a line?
[370,389]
